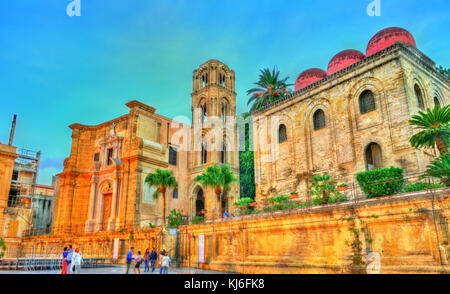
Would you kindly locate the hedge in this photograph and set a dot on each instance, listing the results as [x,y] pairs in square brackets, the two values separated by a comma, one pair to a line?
[381,182]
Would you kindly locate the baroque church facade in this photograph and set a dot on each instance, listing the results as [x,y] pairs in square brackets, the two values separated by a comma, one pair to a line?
[102,185]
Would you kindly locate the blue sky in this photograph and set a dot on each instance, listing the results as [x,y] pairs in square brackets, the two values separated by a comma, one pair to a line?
[56,70]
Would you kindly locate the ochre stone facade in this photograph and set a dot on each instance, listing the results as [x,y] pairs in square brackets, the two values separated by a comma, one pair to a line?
[7,156]
[102,185]
[341,146]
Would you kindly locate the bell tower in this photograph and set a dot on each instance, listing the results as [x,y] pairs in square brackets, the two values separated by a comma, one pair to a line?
[214,130]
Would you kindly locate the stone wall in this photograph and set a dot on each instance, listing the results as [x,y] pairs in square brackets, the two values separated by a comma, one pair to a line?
[409,232]
[7,156]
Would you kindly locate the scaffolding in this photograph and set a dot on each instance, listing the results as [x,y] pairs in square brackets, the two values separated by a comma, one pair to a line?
[23,182]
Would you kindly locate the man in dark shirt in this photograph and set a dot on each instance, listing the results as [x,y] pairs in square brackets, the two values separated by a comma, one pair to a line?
[153,258]
[130,258]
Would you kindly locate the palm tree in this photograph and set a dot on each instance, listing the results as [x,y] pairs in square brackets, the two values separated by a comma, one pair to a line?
[324,188]
[440,168]
[161,180]
[270,88]
[435,126]
[218,177]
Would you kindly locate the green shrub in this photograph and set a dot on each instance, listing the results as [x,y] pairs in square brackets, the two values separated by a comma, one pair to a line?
[337,199]
[381,182]
[175,219]
[323,188]
[279,202]
[244,202]
[197,219]
[421,187]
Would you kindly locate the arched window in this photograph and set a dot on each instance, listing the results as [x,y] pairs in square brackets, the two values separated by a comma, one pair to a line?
[373,156]
[419,97]
[204,114]
[282,134]
[366,102]
[224,110]
[436,102]
[223,155]
[319,120]
[204,153]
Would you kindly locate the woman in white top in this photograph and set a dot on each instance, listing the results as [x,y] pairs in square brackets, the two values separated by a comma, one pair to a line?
[165,263]
[77,260]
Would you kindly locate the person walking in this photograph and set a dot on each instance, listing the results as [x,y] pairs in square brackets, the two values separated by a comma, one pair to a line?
[138,261]
[64,262]
[69,259]
[130,258]
[146,260]
[153,258]
[161,255]
[77,261]
[166,263]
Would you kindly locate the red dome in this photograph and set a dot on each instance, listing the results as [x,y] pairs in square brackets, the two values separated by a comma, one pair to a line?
[308,77]
[343,59]
[388,37]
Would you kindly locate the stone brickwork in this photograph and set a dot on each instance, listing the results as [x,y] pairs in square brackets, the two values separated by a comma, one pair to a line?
[340,148]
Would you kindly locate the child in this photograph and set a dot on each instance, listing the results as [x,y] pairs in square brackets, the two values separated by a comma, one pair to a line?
[165,263]
[138,260]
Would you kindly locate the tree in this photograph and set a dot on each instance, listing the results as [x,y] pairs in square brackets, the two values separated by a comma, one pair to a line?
[247,167]
[270,88]
[175,219]
[444,71]
[218,177]
[2,247]
[161,180]
[440,168]
[324,188]
[435,126]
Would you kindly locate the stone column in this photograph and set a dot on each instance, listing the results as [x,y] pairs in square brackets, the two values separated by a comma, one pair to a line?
[113,217]
[98,212]
[89,227]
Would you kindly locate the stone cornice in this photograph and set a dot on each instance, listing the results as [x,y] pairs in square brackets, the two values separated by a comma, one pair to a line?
[212,85]
[8,151]
[102,125]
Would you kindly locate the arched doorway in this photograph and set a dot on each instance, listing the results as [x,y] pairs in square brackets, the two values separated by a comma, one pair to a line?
[373,156]
[199,202]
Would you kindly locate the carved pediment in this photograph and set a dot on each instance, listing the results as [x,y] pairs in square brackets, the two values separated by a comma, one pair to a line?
[106,187]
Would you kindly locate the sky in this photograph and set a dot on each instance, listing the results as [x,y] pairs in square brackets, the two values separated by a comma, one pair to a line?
[56,70]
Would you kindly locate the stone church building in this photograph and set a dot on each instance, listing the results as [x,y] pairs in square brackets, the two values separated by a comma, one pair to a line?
[351,118]
[102,185]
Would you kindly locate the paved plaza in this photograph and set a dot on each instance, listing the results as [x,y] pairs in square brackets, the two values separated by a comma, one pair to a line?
[118,269]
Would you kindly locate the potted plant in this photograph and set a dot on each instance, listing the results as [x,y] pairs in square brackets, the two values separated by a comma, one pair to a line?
[294,195]
[342,187]
[235,205]
[204,211]
[253,204]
